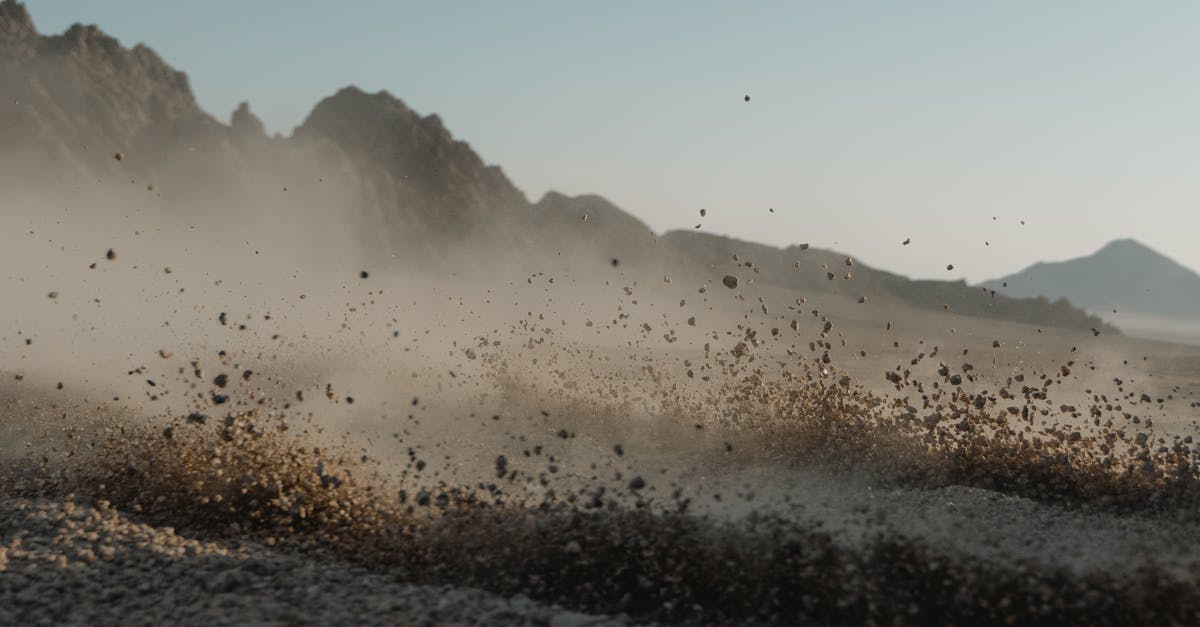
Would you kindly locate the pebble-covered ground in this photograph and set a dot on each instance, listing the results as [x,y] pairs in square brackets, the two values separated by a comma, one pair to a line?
[364,447]
[66,563]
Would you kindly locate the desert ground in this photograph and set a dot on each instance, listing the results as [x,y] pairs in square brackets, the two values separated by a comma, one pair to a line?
[239,441]
[353,374]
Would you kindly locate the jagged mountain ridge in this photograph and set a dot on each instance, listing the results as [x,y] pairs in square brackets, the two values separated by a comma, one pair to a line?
[409,187]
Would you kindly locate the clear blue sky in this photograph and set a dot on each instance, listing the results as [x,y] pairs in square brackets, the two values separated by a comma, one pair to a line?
[869,122]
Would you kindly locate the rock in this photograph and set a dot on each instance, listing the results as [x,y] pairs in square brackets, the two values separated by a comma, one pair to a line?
[245,125]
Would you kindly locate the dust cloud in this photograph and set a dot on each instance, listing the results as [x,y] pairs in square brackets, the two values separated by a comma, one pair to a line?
[623,437]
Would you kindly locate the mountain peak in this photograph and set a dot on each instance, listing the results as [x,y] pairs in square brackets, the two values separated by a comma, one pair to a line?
[1131,252]
[86,40]
[1124,274]
[245,123]
[15,22]
[353,96]
[1127,246]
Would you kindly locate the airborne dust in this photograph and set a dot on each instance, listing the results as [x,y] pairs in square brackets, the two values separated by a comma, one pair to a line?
[608,436]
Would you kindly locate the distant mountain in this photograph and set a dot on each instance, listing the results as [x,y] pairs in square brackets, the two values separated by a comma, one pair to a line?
[809,270]
[80,110]
[1124,275]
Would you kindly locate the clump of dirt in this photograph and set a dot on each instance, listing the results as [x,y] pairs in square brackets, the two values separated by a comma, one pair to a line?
[244,473]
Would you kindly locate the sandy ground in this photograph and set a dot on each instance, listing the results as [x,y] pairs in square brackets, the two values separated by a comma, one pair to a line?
[667,396]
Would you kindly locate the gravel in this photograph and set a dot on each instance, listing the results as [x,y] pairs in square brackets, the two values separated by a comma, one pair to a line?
[64,562]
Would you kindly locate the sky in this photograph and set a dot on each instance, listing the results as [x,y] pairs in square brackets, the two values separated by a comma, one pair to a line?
[868,123]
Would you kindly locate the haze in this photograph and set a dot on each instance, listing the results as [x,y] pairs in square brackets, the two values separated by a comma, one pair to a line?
[866,125]
[352,373]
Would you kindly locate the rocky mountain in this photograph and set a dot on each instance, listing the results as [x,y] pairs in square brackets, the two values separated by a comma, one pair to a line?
[412,164]
[76,101]
[73,100]
[1124,275]
[80,108]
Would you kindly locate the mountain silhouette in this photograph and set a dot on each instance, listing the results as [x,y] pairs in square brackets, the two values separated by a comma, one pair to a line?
[82,108]
[1124,275]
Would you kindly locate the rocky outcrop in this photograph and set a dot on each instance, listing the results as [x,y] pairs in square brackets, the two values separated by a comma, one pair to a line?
[432,183]
[245,125]
[79,98]
[15,23]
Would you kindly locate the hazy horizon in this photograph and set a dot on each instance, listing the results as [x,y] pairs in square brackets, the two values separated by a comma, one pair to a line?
[354,374]
[920,122]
